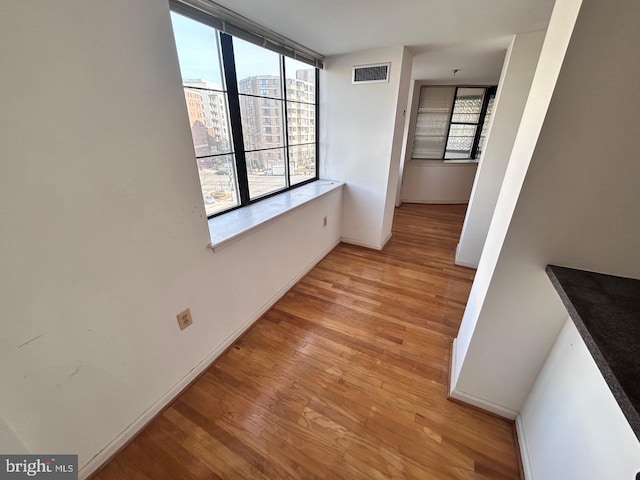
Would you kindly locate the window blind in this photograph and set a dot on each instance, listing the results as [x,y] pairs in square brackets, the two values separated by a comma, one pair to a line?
[227,21]
[432,122]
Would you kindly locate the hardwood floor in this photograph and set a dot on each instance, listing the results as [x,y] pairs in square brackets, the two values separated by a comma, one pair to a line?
[344,378]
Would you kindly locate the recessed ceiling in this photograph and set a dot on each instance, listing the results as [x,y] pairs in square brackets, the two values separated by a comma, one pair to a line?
[339,26]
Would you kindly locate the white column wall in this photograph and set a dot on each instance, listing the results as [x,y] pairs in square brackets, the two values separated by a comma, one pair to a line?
[397,151]
[551,57]
[578,205]
[360,140]
[513,90]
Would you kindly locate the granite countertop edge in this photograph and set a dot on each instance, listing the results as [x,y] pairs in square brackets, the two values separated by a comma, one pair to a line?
[629,411]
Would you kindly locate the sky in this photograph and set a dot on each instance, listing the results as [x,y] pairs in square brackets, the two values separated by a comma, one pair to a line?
[198,53]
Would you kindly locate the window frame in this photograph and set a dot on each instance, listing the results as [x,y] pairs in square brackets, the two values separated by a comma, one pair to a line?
[473,157]
[238,150]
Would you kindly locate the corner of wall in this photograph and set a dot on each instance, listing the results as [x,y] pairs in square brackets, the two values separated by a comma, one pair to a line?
[483,404]
[464,262]
[10,443]
[396,163]
[465,397]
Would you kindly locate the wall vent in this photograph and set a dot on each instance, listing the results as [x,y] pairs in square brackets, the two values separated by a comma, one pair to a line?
[375,73]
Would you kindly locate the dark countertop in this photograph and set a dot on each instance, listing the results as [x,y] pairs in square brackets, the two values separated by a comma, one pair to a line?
[606,312]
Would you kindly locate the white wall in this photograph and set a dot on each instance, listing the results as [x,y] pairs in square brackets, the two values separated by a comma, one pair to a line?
[104,234]
[578,205]
[572,426]
[513,89]
[360,135]
[478,62]
[9,441]
[431,181]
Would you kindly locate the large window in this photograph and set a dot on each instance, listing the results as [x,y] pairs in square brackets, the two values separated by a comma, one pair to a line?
[452,122]
[253,116]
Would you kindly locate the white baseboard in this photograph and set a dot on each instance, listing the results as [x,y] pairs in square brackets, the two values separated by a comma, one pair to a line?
[465,397]
[359,243]
[386,240]
[465,264]
[104,455]
[484,404]
[453,378]
[524,450]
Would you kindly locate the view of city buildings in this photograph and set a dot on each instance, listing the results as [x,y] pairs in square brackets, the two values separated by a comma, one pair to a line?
[207,109]
[263,125]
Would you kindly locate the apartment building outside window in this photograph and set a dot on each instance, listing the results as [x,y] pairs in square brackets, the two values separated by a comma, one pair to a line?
[239,99]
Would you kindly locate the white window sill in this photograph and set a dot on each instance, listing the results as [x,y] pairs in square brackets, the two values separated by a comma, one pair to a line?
[232,226]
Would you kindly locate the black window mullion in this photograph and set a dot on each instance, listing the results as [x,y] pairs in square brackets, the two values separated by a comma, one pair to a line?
[285,133]
[233,113]
[253,95]
[317,125]
[302,144]
[263,149]
[213,155]
[453,106]
[204,89]
[228,60]
[483,113]
[299,102]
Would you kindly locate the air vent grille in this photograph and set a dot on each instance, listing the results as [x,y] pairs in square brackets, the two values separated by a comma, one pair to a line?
[378,73]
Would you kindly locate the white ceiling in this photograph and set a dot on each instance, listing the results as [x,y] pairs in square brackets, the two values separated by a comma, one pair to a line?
[478,62]
[339,26]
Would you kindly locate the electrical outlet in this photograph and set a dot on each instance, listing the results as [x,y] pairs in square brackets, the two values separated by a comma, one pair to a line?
[184,319]
[324,221]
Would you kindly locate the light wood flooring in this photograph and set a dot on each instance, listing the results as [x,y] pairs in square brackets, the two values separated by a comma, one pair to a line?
[344,378]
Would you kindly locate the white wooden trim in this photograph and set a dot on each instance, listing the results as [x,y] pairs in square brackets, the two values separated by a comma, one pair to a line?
[524,450]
